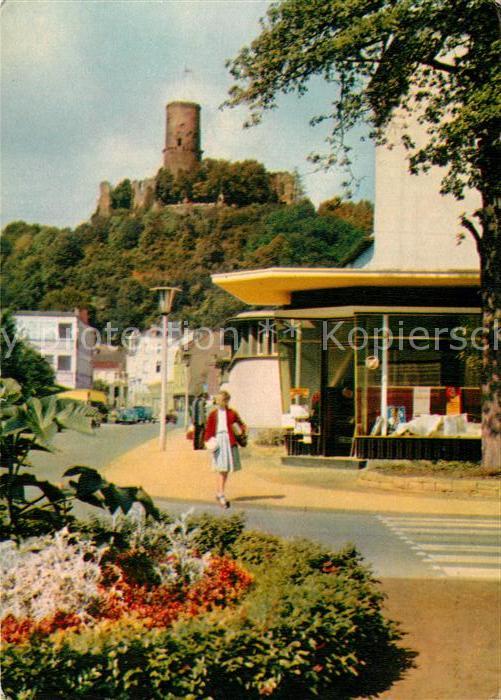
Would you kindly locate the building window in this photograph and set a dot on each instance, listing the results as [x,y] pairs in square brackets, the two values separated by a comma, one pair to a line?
[266,337]
[64,363]
[255,340]
[158,367]
[428,372]
[180,142]
[64,330]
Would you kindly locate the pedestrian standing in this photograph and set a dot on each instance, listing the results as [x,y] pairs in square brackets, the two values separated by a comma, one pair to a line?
[199,419]
[223,426]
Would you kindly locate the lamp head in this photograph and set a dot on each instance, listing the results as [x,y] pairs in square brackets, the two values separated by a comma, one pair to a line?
[165,297]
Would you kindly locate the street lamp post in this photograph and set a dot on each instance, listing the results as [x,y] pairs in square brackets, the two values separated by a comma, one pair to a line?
[166,298]
[186,362]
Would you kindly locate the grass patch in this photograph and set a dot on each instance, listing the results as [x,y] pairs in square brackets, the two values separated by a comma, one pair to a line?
[441,468]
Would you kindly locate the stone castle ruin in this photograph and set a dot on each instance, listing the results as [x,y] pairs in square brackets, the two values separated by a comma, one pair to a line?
[182,137]
[183,152]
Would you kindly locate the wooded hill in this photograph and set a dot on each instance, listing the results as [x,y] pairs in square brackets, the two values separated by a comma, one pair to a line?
[108,264]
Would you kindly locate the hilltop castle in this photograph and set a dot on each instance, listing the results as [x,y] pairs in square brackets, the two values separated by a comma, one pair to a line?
[182,137]
[183,153]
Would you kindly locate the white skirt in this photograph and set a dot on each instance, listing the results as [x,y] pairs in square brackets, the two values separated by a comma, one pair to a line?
[225,458]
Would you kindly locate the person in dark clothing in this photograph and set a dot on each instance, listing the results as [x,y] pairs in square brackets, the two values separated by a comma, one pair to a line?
[343,418]
[199,418]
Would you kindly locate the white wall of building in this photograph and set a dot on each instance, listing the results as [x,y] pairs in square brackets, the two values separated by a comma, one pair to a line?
[144,363]
[108,375]
[64,341]
[254,385]
[416,227]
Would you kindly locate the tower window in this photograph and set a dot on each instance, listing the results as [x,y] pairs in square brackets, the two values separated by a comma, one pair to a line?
[180,142]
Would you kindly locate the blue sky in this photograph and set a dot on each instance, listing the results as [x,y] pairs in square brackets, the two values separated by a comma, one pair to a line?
[84,87]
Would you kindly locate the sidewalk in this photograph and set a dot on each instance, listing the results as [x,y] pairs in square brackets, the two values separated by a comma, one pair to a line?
[454,625]
[181,473]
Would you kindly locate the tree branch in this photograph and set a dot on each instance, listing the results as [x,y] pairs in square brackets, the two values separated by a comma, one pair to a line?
[438,65]
[471,228]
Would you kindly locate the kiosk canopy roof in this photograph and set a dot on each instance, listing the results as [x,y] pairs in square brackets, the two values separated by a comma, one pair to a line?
[275,285]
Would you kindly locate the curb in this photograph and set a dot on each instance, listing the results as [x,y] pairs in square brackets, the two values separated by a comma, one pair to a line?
[477,487]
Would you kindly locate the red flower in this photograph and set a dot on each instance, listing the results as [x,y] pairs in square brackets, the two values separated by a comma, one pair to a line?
[222,584]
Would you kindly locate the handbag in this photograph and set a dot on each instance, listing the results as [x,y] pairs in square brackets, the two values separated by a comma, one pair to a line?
[242,439]
[190,433]
[211,444]
[239,434]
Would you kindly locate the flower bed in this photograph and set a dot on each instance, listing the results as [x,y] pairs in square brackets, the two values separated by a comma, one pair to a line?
[56,583]
[202,609]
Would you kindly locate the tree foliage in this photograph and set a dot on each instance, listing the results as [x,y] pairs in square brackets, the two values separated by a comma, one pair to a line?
[239,183]
[436,58]
[435,61]
[29,425]
[121,196]
[358,214]
[115,261]
[23,363]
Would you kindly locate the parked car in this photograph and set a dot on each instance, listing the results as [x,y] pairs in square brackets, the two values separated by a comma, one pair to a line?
[144,413]
[127,415]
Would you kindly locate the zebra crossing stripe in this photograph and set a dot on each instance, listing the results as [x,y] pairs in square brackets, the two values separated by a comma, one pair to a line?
[464,558]
[466,572]
[440,542]
[490,522]
[487,529]
[450,535]
[481,548]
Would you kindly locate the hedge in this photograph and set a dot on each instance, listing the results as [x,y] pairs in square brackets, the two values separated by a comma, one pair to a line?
[311,626]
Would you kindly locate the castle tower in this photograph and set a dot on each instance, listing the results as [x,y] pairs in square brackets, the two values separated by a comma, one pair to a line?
[182,137]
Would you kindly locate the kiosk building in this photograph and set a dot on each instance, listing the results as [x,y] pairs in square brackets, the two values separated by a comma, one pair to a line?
[378,360]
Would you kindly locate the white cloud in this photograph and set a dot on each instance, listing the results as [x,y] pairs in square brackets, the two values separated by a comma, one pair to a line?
[118,156]
[85,85]
[38,35]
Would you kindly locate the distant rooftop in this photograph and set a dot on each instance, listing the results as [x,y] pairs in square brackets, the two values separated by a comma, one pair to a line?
[46,313]
[80,314]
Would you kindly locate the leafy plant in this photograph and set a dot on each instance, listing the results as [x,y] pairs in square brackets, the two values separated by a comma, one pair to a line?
[310,626]
[49,575]
[216,535]
[257,548]
[63,580]
[271,437]
[32,425]
[22,362]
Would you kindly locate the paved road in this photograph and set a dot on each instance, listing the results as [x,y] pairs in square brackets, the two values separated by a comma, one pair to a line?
[396,546]
[380,538]
[107,443]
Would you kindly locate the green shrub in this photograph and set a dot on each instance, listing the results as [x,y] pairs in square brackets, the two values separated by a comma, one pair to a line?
[440,468]
[272,437]
[311,626]
[216,534]
[256,548]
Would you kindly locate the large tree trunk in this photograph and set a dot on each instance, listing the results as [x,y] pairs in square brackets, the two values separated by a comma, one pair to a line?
[490,281]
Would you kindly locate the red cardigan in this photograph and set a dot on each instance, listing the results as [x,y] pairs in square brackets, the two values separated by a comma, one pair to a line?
[231,418]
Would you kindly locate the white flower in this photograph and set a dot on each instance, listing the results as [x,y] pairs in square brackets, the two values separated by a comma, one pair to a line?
[48,574]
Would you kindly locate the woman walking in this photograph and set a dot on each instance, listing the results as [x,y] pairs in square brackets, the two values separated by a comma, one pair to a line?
[223,426]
